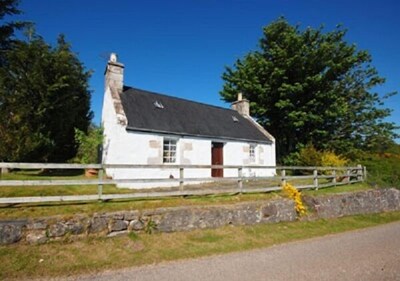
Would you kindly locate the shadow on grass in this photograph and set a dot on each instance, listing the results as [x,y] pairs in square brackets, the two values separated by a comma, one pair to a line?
[61,173]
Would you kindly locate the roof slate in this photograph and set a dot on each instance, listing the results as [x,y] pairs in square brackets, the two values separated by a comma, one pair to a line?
[186,118]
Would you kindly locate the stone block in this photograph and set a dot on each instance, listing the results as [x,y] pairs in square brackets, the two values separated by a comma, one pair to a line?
[10,233]
[118,233]
[57,230]
[178,219]
[37,225]
[279,210]
[118,225]
[131,215]
[98,224]
[76,227]
[36,237]
[136,225]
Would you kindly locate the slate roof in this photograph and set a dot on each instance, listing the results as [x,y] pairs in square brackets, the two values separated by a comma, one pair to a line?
[183,117]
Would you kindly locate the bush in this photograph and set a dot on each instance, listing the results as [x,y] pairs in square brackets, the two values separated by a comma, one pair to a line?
[383,169]
[88,150]
[330,159]
[310,156]
[294,194]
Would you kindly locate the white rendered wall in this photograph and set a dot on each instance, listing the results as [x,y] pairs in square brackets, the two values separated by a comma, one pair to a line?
[127,147]
[237,153]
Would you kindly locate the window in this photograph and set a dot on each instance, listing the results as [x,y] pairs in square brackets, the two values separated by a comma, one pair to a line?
[169,151]
[158,104]
[252,153]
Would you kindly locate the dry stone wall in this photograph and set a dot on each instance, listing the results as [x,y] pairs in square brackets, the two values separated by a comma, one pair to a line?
[36,231]
[41,230]
[347,204]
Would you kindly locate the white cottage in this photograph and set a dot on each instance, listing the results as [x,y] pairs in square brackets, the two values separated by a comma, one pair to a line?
[146,128]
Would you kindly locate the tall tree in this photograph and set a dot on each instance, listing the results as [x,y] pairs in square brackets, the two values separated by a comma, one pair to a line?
[308,86]
[44,96]
[8,28]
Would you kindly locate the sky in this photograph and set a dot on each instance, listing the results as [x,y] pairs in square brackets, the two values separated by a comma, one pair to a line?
[181,48]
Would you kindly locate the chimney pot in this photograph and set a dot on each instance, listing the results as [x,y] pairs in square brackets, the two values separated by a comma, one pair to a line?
[114,74]
[113,57]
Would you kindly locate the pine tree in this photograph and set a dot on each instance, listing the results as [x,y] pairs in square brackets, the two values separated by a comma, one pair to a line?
[310,86]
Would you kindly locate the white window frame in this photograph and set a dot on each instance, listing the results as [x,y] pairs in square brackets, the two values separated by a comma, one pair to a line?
[170,150]
[252,153]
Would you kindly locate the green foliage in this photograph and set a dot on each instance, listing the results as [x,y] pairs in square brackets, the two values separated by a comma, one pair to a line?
[311,86]
[150,226]
[383,169]
[44,96]
[310,156]
[7,29]
[88,145]
[330,159]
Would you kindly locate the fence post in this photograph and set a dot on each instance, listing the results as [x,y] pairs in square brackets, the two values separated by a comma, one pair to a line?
[181,181]
[283,177]
[348,173]
[359,172]
[365,174]
[334,177]
[240,180]
[315,173]
[100,186]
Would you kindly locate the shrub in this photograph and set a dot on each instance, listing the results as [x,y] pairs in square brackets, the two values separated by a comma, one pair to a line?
[383,169]
[309,156]
[88,149]
[330,159]
[294,194]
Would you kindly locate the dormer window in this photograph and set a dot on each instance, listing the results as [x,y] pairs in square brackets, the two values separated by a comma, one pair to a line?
[158,104]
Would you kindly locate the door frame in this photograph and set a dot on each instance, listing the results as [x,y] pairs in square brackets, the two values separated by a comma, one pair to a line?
[217,158]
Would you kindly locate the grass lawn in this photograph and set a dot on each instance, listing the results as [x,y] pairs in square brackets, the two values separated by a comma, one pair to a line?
[97,254]
[69,208]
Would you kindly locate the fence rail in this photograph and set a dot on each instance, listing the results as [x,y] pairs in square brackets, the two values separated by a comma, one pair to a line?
[332,176]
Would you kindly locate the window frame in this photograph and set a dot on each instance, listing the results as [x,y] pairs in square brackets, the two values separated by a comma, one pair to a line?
[169,155]
[252,152]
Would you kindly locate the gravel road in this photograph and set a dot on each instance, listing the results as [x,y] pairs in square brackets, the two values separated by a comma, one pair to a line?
[368,254]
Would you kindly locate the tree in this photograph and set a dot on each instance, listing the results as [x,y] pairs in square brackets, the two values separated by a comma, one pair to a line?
[7,29]
[44,96]
[307,86]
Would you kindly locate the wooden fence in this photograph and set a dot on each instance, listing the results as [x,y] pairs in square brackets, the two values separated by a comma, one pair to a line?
[332,176]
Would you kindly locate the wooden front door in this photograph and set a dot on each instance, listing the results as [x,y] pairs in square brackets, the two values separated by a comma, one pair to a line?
[217,158]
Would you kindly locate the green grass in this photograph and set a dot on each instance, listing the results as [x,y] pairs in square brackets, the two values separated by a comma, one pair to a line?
[35,210]
[97,254]
[69,208]
[338,189]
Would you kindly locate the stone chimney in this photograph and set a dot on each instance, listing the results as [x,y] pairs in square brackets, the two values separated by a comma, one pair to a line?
[241,105]
[114,83]
[114,74]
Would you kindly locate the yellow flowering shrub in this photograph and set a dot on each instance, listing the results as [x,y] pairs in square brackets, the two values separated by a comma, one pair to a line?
[292,192]
[330,159]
